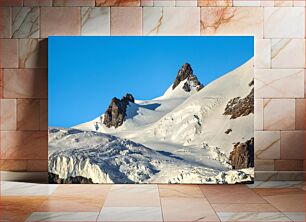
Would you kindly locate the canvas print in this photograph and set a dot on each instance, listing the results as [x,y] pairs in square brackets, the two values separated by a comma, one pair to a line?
[151,110]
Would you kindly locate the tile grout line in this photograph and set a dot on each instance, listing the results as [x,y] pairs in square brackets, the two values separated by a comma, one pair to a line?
[103,203]
[161,208]
[210,204]
[278,210]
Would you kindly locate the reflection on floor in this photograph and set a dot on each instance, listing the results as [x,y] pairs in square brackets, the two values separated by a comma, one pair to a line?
[267,201]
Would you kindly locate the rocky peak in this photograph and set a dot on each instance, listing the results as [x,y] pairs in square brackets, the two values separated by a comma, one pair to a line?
[116,111]
[186,72]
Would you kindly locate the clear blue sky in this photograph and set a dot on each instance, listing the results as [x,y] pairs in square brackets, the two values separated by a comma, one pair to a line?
[85,73]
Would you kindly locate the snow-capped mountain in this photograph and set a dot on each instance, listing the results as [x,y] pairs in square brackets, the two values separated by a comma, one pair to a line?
[184,136]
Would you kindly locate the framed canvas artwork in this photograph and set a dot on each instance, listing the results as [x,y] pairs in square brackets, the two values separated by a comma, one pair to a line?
[151,110]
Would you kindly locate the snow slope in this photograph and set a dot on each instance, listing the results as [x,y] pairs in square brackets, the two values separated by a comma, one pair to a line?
[109,159]
[188,119]
[176,138]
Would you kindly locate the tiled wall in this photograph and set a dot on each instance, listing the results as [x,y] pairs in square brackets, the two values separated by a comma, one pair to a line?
[278,26]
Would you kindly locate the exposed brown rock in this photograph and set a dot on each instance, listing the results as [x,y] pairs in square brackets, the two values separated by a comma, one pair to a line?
[55,179]
[186,72]
[242,155]
[116,111]
[228,131]
[237,107]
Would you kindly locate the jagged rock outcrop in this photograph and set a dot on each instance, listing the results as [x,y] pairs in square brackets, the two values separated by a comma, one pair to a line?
[186,72]
[237,107]
[242,155]
[55,179]
[116,111]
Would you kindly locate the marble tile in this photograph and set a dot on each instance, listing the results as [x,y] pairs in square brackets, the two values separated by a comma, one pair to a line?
[5,22]
[299,3]
[71,204]
[1,83]
[305,83]
[37,2]
[28,114]
[163,3]
[211,3]
[295,216]
[264,207]
[274,83]
[232,21]
[187,209]
[279,175]
[8,53]
[230,194]
[5,3]
[25,83]
[253,216]
[258,111]
[73,2]
[267,3]
[285,199]
[130,214]
[186,3]
[126,21]
[284,3]
[279,114]
[289,165]
[300,114]
[18,208]
[30,177]
[276,184]
[123,3]
[23,144]
[95,21]
[25,22]
[33,53]
[146,2]
[278,191]
[91,191]
[43,114]
[246,3]
[264,165]
[284,49]
[13,165]
[292,144]
[63,216]
[133,196]
[262,53]
[9,188]
[8,114]
[52,16]
[37,165]
[267,145]
[171,21]
[278,22]
[187,191]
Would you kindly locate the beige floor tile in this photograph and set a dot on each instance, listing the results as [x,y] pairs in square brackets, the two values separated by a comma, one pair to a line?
[264,207]
[133,196]
[187,209]
[231,194]
[253,216]
[96,191]
[188,191]
[19,208]
[71,204]
[286,199]
[130,214]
